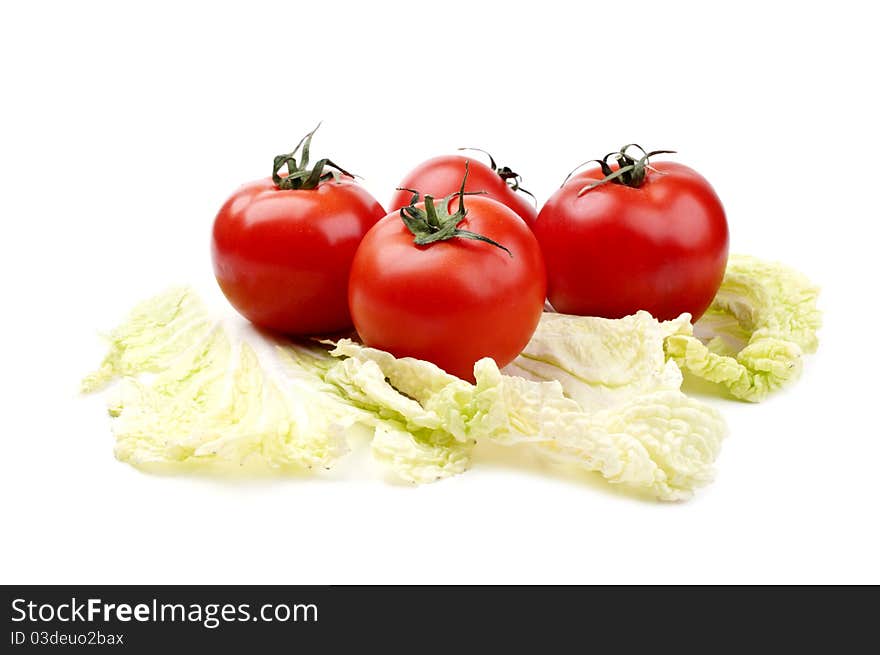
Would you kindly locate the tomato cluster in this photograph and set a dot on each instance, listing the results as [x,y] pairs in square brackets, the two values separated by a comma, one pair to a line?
[461,266]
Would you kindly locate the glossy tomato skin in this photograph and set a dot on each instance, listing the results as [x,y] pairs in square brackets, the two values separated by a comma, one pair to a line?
[441,176]
[661,247]
[282,257]
[452,302]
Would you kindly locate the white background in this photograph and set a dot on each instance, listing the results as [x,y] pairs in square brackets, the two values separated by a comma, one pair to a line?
[125,125]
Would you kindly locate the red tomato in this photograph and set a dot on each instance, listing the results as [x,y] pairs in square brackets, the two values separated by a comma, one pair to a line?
[660,246]
[441,176]
[450,302]
[282,256]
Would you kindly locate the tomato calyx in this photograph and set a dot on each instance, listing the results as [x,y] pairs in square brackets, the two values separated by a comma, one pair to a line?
[299,175]
[511,179]
[434,223]
[630,171]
